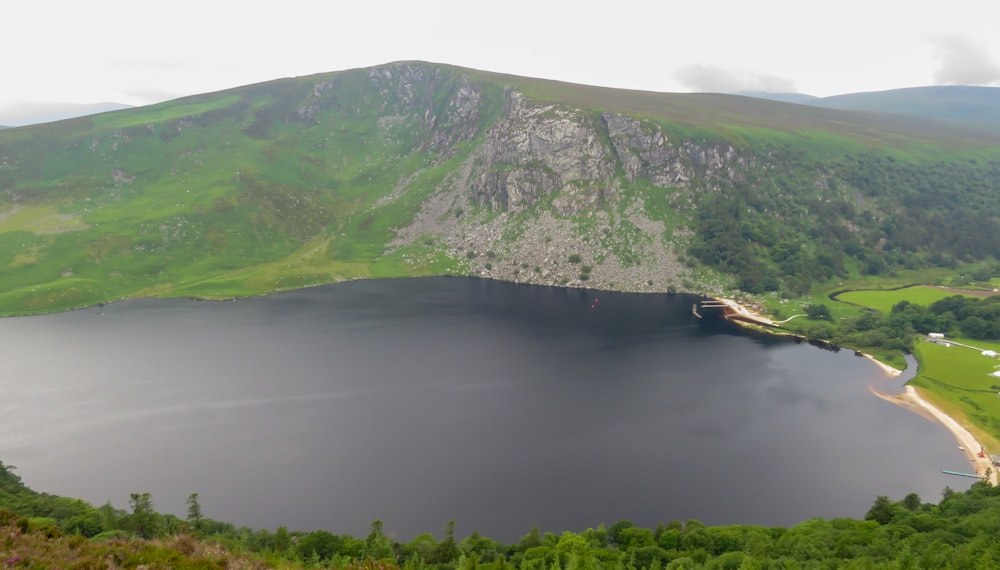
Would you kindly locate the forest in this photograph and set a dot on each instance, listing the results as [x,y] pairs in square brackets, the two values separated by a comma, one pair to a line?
[38,530]
[866,215]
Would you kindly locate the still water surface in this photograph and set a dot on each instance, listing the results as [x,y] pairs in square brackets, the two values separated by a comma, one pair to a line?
[422,400]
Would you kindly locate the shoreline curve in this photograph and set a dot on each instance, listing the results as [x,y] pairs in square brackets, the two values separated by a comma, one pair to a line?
[911,400]
[983,465]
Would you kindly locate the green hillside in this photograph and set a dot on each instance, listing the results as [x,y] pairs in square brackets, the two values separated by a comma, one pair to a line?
[419,169]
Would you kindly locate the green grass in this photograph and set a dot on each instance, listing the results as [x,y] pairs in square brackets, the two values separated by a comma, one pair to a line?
[187,107]
[883,301]
[220,195]
[959,381]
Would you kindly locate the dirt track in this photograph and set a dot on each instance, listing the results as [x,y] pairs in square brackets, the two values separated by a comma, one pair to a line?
[970,292]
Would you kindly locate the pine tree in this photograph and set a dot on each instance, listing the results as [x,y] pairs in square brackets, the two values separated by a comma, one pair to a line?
[194,513]
[143,519]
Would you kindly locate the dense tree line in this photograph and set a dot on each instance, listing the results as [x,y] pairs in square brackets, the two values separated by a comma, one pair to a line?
[867,214]
[961,531]
[956,315]
[870,329]
[972,317]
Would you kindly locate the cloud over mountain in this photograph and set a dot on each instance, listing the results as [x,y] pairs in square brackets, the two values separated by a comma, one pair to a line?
[714,79]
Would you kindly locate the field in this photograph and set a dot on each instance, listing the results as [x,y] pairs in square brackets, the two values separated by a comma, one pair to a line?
[884,300]
[958,380]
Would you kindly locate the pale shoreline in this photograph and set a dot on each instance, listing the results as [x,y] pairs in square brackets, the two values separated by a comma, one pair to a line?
[982,465]
[910,399]
[891,371]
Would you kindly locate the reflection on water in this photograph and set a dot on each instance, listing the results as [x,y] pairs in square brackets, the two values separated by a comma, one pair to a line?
[422,400]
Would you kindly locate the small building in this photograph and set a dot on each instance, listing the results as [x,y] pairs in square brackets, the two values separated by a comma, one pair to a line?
[935,335]
[990,353]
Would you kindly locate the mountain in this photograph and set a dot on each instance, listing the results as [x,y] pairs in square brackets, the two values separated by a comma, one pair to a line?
[415,168]
[32,113]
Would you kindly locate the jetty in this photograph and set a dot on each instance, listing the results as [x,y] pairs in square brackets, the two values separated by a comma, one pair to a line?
[974,476]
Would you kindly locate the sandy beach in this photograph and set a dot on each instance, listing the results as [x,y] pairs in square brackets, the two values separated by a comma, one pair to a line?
[911,400]
[744,311]
[885,367]
[983,465]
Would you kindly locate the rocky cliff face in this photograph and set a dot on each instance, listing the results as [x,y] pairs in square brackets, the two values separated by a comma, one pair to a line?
[539,149]
[411,91]
[645,152]
[577,167]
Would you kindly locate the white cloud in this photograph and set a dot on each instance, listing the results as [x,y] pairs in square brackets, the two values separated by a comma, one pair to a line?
[713,79]
[963,62]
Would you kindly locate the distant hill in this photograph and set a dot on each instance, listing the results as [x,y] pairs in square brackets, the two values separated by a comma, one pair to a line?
[32,113]
[783,97]
[415,168]
[963,103]
[946,102]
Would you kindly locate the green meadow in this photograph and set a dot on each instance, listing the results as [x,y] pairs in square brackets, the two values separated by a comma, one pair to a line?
[885,300]
[959,380]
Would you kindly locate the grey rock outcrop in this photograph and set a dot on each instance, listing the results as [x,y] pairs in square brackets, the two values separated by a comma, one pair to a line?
[536,149]
[410,91]
[551,178]
[645,152]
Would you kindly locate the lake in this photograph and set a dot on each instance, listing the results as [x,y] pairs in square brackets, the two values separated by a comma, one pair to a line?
[416,401]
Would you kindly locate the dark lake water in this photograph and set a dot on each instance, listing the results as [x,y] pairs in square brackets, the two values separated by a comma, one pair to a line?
[417,401]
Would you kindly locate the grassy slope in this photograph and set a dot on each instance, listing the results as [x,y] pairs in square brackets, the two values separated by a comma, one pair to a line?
[216,195]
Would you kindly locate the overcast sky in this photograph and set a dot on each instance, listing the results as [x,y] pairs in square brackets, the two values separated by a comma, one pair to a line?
[141,52]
